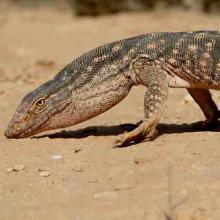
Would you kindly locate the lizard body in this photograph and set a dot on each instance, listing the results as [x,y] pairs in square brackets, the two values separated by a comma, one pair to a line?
[101,78]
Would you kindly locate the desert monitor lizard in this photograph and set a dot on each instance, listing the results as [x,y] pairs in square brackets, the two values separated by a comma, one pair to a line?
[101,78]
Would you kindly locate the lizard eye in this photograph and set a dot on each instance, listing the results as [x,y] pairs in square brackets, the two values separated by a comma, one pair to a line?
[40,102]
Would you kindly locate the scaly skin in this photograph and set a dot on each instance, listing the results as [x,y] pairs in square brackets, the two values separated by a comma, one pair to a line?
[101,78]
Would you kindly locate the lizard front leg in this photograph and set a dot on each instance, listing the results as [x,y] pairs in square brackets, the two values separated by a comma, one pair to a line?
[156,80]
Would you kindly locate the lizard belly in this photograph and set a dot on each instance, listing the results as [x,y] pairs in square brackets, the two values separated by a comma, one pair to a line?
[177,82]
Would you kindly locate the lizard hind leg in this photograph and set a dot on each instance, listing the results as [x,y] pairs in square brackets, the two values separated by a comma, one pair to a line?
[154,103]
[204,99]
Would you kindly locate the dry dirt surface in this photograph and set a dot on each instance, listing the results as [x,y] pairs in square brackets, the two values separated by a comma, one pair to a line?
[75,174]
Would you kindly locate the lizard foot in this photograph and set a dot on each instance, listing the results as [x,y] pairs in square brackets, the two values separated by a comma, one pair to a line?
[208,125]
[146,131]
[211,124]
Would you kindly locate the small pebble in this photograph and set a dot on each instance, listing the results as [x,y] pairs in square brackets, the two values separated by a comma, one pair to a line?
[44,173]
[57,157]
[104,194]
[18,167]
[9,169]
[122,187]
[77,150]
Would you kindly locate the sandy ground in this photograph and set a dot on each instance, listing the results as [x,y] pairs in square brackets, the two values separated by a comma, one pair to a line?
[87,178]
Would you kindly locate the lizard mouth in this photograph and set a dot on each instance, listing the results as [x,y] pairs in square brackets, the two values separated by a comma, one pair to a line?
[13,133]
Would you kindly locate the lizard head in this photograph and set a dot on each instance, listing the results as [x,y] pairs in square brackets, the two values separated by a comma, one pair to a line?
[82,90]
[33,114]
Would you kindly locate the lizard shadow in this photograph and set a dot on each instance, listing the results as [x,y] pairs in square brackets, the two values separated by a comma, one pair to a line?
[109,130]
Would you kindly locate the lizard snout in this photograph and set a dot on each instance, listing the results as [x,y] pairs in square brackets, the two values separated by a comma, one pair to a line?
[13,130]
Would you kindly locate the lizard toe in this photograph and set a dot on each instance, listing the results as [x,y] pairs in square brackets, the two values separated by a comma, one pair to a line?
[119,141]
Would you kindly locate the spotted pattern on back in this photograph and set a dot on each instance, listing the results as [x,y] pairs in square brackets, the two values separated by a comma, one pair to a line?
[193,56]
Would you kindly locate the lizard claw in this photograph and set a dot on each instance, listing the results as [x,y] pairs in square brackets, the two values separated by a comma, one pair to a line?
[146,131]
[118,142]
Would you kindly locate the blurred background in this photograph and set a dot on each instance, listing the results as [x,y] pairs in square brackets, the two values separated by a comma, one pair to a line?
[100,7]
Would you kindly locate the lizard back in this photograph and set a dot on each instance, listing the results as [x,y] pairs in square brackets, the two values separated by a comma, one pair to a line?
[191,56]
